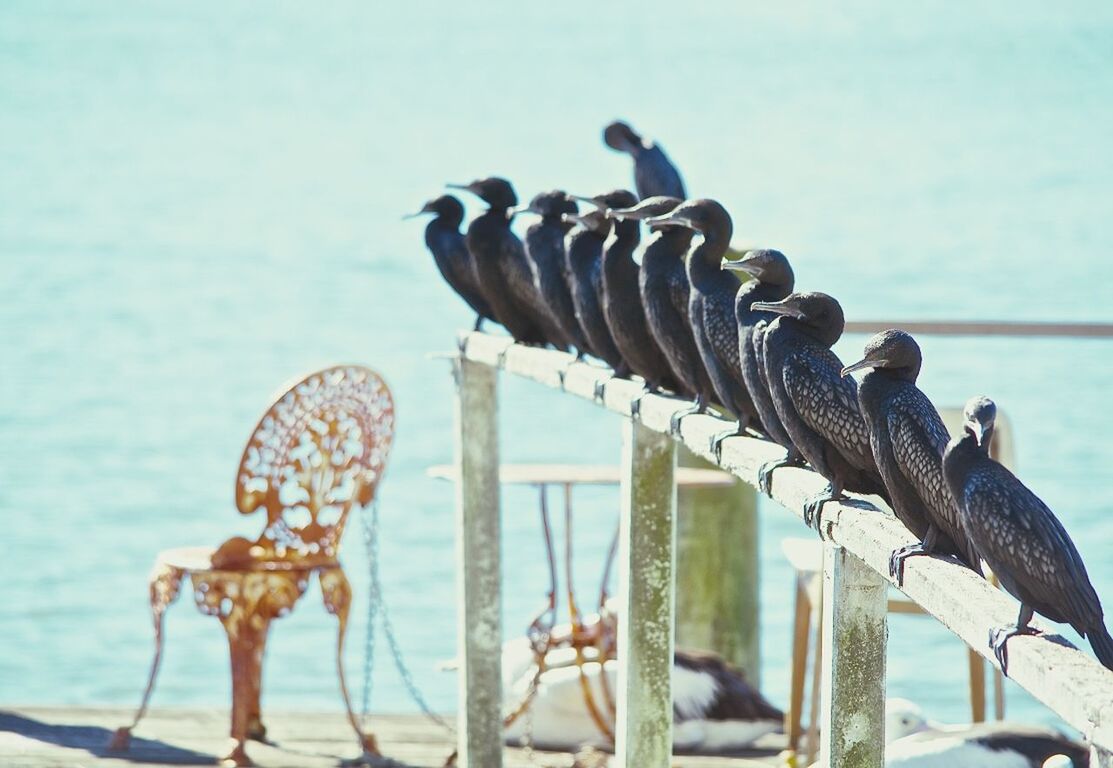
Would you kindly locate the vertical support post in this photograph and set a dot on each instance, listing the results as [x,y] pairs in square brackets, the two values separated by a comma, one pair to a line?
[718,587]
[647,566]
[1100,758]
[479,601]
[855,603]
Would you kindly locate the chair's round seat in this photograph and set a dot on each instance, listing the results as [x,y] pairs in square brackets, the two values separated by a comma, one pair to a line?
[200,560]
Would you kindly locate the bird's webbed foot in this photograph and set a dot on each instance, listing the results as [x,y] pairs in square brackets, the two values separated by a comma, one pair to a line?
[814,506]
[478,323]
[699,406]
[717,440]
[636,403]
[765,474]
[896,560]
[462,344]
[599,394]
[998,641]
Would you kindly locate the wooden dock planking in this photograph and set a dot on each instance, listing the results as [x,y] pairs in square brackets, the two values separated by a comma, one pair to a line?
[49,737]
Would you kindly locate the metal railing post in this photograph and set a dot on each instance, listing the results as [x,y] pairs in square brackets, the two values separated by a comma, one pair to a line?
[479,620]
[647,569]
[855,606]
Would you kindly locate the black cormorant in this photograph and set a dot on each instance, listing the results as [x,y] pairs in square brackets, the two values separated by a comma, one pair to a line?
[816,405]
[1023,542]
[663,281]
[622,305]
[654,173]
[908,438]
[504,271]
[773,281]
[545,250]
[585,274]
[711,308]
[450,252]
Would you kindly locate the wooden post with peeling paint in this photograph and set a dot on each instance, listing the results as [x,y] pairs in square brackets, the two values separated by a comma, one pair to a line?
[479,620]
[855,606]
[647,568]
[718,606]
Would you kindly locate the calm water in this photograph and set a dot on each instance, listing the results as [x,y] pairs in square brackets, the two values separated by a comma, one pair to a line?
[200,201]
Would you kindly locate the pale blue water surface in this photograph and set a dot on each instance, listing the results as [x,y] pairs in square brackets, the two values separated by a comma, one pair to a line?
[199,201]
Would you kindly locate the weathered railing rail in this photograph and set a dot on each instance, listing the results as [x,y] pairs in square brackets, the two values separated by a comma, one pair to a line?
[859,539]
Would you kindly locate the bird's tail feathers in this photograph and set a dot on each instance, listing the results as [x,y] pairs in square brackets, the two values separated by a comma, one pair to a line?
[1102,644]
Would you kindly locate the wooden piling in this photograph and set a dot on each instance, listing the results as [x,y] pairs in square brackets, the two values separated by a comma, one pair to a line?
[479,627]
[718,604]
[647,565]
[855,606]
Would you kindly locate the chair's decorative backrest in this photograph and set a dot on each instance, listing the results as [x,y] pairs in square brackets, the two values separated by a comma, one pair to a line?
[320,448]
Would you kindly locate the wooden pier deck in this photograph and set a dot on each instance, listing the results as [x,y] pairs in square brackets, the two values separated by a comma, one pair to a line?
[37,737]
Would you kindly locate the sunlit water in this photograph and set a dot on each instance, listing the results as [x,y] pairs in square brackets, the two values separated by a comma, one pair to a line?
[199,201]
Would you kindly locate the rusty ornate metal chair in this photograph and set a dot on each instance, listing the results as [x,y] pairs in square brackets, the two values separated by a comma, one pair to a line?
[320,449]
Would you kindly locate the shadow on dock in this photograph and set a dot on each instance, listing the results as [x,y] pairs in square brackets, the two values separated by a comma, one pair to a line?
[94,740]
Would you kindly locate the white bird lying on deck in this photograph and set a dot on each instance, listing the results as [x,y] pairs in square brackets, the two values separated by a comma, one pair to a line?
[916,742]
[714,708]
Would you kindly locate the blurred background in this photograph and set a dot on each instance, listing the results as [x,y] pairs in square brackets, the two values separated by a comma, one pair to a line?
[200,201]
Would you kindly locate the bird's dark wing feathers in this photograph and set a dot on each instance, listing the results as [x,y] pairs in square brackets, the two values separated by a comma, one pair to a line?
[713,338]
[827,402]
[679,291]
[519,276]
[669,330]
[1009,523]
[918,439]
[722,329]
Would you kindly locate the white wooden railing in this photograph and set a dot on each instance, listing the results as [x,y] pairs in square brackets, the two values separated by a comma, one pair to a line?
[859,539]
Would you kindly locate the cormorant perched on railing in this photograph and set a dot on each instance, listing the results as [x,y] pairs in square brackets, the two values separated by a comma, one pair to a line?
[654,173]
[663,281]
[1023,542]
[711,308]
[817,406]
[908,438]
[545,251]
[773,281]
[622,305]
[585,275]
[450,252]
[504,271]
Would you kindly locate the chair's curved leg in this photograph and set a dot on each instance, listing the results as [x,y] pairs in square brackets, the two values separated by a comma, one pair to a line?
[247,639]
[246,602]
[165,584]
[337,595]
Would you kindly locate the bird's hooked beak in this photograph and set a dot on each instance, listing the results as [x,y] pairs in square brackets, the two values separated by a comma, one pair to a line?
[865,362]
[978,429]
[464,187]
[746,264]
[427,208]
[622,214]
[671,219]
[573,218]
[782,307]
[590,201]
[524,209]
